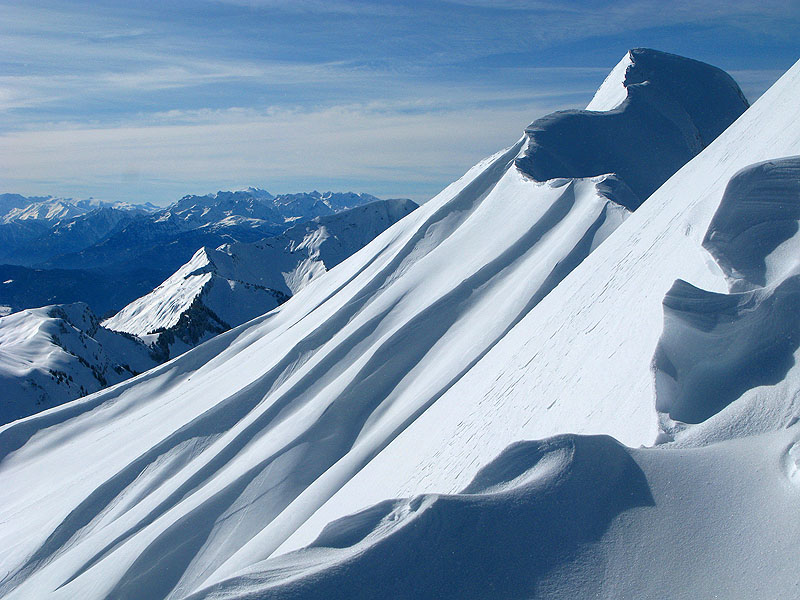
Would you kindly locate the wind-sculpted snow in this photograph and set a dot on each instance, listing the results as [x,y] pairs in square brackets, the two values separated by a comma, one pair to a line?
[674,108]
[715,347]
[759,211]
[526,514]
[502,309]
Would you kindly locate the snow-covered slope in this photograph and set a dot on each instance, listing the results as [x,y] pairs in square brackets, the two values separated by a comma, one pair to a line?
[591,370]
[579,517]
[54,354]
[405,369]
[222,288]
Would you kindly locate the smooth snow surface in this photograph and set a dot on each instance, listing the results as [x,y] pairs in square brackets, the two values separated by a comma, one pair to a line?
[502,309]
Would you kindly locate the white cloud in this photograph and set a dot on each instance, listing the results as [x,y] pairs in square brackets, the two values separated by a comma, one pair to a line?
[345,143]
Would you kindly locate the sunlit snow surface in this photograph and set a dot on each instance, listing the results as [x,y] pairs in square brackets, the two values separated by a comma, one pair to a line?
[54,354]
[407,370]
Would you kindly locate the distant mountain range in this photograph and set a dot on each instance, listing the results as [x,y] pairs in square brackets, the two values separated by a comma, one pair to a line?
[224,287]
[123,250]
[60,352]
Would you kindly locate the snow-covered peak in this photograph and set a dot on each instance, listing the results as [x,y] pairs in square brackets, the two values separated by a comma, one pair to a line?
[224,287]
[254,203]
[53,210]
[612,92]
[674,107]
[57,353]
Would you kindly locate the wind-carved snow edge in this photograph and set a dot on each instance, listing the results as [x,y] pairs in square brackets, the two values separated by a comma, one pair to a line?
[716,347]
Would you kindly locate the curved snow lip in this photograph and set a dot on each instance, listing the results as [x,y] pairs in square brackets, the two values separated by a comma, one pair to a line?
[715,347]
[539,502]
[674,108]
[759,211]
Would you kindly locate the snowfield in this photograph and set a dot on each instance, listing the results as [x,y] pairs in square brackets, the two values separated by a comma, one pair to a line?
[262,463]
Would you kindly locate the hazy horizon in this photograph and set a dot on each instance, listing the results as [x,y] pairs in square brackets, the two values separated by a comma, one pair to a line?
[395,99]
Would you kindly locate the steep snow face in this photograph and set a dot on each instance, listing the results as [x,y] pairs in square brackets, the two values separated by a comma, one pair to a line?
[591,370]
[58,353]
[568,517]
[223,288]
[408,366]
[674,108]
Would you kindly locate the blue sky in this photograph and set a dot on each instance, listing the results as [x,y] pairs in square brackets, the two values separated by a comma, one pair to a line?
[148,101]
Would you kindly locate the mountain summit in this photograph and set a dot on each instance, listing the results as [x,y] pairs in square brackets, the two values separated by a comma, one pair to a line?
[652,114]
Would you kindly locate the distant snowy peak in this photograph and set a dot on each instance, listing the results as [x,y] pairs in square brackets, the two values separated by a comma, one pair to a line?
[14,207]
[224,287]
[658,111]
[58,353]
[49,210]
[254,203]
